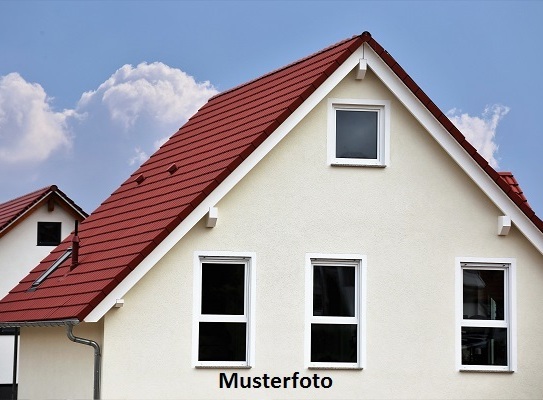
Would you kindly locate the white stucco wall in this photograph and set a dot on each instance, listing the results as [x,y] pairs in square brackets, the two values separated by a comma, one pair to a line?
[19,254]
[53,367]
[411,219]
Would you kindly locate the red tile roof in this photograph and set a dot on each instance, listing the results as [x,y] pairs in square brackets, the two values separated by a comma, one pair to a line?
[13,211]
[156,198]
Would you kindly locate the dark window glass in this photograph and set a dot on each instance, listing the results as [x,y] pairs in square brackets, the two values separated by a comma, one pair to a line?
[222,341]
[483,294]
[48,233]
[333,291]
[356,134]
[333,343]
[484,346]
[223,289]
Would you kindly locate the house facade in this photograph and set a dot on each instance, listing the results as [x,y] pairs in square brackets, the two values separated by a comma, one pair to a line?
[359,249]
[30,227]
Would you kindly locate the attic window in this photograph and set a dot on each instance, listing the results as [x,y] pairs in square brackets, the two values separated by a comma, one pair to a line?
[51,269]
[358,132]
[49,233]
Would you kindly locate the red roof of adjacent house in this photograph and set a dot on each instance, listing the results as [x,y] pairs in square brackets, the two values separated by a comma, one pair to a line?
[13,211]
[181,174]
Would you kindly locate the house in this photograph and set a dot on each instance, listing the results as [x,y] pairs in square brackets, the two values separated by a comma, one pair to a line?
[323,231]
[30,227]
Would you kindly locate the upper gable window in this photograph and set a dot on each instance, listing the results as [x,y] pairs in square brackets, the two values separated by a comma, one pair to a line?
[358,132]
[49,233]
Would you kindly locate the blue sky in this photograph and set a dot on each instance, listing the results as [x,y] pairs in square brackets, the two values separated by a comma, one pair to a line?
[88,90]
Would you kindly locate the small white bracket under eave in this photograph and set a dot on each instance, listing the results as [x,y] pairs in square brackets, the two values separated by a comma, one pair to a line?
[212,216]
[504,225]
[361,69]
[119,303]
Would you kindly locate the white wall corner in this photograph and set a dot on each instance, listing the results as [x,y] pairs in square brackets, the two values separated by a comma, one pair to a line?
[504,225]
[361,69]
[212,216]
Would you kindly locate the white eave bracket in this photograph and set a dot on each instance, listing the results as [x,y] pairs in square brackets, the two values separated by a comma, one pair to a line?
[212,216]
[504,225]
[361,69]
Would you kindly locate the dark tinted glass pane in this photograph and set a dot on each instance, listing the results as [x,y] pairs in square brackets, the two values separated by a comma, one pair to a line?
[223,289]
[333,343]
[333,291]
[222,341]
[48,233]
[483,294]
[484,346]
[356,134]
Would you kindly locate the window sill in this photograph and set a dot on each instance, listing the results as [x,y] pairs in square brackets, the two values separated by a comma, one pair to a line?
[355,164]
[336,368]
[500,371]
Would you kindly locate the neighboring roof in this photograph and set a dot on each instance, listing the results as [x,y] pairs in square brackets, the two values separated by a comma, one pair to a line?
[166,189]
[14,211]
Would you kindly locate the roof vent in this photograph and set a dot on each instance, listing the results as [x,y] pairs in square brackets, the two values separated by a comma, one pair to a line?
[172,168]
[140,179]
[75,247]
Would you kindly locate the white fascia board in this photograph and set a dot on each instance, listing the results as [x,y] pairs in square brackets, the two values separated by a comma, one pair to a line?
[453,148]
[69,204]
[214,197]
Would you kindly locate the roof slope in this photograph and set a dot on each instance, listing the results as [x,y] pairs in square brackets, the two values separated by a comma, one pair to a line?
[182,173]
[166,188]
[14,210]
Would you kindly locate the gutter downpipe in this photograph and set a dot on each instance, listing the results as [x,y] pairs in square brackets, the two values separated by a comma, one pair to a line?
[97,357]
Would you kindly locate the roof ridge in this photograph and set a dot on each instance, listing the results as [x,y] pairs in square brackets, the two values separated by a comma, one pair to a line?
[34,192]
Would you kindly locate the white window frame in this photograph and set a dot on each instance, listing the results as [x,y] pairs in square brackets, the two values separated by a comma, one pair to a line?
[508,265]
[357,261]
[228,257]
[382,107]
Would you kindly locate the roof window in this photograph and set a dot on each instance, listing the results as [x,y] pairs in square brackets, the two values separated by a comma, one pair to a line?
[51,269]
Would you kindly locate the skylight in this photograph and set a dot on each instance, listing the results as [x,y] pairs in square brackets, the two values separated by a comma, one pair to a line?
[51,269]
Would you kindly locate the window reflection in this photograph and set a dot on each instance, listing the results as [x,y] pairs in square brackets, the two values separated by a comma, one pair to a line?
[483,294]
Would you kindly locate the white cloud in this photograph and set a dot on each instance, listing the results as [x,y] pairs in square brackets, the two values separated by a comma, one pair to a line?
[154,92]
[139,158]
[480,131]
[29,128]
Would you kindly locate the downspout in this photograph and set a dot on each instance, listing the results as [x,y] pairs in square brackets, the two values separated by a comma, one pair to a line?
[97,357]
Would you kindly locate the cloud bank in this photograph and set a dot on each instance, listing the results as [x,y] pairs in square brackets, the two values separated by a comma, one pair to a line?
[480,131]
[134,108]
[155,91]
[30,130]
